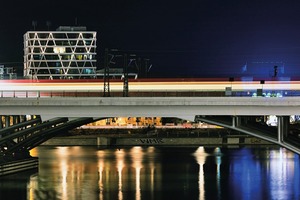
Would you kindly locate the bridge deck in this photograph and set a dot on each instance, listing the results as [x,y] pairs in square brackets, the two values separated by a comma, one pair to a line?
[149,106]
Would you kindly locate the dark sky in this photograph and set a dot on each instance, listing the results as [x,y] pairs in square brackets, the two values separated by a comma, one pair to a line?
[199,38]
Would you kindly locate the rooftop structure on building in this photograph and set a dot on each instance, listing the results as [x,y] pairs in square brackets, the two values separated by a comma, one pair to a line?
[67,53]
[7,73]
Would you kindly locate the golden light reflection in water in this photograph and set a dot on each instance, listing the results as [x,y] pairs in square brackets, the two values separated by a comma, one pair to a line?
[200,156]
[120,165]
[30,187]
[67,172]
[150,152]
[101,157]
[62,154]
[64,171]
[136,154]
[125,162]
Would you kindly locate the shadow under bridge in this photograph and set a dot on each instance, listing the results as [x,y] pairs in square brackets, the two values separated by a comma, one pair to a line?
[16,145]
[280,134]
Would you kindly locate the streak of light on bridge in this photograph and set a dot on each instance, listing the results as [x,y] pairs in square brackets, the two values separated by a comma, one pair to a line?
[146,85]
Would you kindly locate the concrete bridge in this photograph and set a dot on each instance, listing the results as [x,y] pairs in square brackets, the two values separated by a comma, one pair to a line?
[182,107]
[237,113]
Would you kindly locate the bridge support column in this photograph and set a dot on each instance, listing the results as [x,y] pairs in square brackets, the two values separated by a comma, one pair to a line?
[282,127]
[236,121]
[23,118]
[7,121]
[16,119]
[1,122]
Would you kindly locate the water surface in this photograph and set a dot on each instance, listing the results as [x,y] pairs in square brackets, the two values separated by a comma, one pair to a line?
[144,173]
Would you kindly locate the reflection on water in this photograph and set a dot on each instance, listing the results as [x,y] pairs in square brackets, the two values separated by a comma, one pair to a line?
[120,164]
[218,159]
[264,175]
[136,154]
[160,173]
[281,172]
[200,156]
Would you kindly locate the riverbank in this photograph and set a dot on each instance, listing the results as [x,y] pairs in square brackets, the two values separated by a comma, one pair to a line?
[153,137]
[94,140]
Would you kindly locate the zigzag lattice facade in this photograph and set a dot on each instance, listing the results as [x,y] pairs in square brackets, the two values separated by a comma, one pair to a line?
[60,54]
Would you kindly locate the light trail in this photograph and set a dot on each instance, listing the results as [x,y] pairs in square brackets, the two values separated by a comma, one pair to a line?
[145,85]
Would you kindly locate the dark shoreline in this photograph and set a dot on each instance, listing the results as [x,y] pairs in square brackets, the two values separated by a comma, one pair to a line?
[156,137]
[156,132]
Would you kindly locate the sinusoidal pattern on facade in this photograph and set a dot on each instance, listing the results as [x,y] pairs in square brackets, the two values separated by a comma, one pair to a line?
[60,55]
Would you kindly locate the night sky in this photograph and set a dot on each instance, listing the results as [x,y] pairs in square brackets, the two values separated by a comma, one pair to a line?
[201,38]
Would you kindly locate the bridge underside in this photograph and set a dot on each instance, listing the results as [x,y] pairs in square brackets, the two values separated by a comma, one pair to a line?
[251,125]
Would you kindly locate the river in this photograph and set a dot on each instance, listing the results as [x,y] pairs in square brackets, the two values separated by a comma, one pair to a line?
[152,173]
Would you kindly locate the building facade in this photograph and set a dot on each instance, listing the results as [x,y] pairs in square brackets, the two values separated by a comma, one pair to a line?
[67,53]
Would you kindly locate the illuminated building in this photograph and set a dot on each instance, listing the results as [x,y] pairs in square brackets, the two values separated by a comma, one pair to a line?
[67,53]
[7,73]
[129,121]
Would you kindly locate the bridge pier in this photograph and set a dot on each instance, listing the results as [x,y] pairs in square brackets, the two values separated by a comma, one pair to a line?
[282,127]
[236,121]
[7,121]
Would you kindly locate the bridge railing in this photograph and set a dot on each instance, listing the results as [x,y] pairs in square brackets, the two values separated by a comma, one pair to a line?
[60,93]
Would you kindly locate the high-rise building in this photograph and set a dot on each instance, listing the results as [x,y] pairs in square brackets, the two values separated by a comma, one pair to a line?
[67,53]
